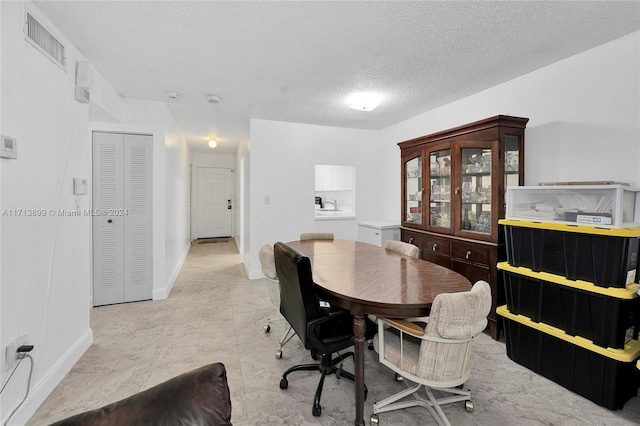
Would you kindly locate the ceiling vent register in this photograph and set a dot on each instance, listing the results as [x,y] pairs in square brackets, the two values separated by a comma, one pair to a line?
[44,41]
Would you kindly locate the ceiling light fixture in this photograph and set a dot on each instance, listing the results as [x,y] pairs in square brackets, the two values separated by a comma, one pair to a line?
[212,143]
[214,99]
[364,101]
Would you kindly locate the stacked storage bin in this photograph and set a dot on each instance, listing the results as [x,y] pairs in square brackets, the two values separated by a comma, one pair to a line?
[573,311]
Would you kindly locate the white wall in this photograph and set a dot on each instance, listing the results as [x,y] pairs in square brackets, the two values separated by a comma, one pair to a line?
[584,120]
[177,201]
[242,215]
[45,259]
[282,166]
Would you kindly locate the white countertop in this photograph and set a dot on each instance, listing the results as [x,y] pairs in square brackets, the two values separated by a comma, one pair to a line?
[380,224]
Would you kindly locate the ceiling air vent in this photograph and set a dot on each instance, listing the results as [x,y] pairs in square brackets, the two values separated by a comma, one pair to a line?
[44,41]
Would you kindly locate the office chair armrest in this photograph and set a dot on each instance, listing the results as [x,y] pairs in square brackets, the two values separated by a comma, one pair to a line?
[330,316]
[313,326]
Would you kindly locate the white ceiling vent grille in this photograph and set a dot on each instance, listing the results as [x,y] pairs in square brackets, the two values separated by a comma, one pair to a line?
[44,41]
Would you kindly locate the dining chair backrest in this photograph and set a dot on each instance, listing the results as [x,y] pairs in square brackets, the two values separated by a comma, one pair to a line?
[403,248]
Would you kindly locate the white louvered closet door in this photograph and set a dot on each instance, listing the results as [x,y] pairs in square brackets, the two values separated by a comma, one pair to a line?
[122,238]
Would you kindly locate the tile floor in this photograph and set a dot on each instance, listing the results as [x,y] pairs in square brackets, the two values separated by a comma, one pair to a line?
[215,314]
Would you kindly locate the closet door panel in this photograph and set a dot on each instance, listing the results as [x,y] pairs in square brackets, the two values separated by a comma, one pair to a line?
[138,214]
[108,231]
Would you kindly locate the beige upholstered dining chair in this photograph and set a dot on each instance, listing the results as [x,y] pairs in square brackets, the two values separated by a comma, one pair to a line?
[406,249]
[268,265]
[316,236]
[436,356]
[403,248]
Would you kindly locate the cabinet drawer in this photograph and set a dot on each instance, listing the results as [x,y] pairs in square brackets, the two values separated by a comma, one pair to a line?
[472,272]
[437,259]
[412,238]
[436,245]
[472,253]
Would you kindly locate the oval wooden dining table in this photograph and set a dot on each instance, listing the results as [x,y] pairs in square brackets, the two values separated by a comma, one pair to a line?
[367,279]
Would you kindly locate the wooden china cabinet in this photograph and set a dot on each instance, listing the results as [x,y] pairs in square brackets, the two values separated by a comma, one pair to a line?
[453,194]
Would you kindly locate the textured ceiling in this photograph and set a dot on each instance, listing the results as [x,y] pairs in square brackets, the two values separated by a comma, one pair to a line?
[299,61]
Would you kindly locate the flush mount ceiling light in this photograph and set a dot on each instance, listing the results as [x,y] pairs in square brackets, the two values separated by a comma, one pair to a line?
[364,101]
[212,143]
[214,99]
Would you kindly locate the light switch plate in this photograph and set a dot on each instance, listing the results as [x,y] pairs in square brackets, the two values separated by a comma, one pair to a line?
[79,186]
[8,147]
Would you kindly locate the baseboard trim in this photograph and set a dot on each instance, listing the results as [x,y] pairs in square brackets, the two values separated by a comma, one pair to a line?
[163,293]
[253,274]
[43,388]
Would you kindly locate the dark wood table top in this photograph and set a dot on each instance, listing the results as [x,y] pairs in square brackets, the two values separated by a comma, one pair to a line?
[365,277]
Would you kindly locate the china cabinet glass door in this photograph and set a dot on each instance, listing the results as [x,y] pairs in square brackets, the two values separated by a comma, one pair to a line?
[440,188]
[475,189]
[413,190]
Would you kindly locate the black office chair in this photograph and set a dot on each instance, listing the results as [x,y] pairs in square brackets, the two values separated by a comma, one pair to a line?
[322,328]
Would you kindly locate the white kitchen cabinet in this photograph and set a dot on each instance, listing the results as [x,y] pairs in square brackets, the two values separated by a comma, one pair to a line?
[334,178]
[324,177]
[378,232]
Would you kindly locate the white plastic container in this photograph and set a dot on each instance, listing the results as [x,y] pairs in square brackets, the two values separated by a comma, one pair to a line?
[608,206]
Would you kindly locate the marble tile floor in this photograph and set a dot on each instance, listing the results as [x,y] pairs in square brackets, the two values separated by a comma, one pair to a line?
[215,314]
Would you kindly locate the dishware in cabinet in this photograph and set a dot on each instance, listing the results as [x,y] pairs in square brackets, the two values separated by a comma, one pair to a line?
[460,196]
[412,189]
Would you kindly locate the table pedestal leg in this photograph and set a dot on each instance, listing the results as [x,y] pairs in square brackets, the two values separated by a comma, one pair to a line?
[358,340]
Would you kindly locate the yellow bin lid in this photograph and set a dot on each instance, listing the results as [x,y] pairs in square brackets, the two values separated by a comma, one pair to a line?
[581,229]
[628,292]
[630,353]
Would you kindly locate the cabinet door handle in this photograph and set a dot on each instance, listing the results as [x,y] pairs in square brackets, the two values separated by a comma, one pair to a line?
[411,240]
[457,190]
[468,255]
[435,247]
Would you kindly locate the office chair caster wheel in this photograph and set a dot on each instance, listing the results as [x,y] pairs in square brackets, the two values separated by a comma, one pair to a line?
[316,411]
[284,383]
[399,378]
[315,356]
[468,405]
[267,328]
[374,419]
[278,354]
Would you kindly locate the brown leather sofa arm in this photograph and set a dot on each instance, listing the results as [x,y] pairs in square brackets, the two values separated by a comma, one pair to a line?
[198,397]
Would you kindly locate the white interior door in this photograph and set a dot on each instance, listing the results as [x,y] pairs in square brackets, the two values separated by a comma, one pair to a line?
[213,211]
[122,235]
[108,232]
[138,278]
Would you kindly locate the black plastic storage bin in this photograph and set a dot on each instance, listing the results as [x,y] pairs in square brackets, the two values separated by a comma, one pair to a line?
[606,316]
[608,377]
[605,257]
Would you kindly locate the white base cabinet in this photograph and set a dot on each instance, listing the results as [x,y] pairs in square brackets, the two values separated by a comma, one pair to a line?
[378,232]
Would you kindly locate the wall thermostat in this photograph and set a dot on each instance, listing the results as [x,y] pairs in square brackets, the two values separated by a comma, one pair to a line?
[79,186]
[8,147]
